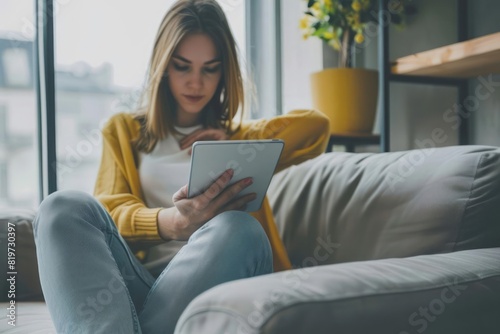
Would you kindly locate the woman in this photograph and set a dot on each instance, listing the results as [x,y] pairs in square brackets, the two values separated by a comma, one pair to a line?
[92,281]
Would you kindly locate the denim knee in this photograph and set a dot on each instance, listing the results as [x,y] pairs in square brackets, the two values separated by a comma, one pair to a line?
[61,208]
[239,232]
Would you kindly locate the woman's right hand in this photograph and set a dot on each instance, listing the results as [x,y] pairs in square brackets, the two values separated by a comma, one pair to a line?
[192,213]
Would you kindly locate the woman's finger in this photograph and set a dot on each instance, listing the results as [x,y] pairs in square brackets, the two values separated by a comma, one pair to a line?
[218,186]
[189,137]
[239,204]
[230,193]
[180,194]
[204,134]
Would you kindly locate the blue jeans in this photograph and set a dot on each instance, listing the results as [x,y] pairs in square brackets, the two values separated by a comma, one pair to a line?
[93,283]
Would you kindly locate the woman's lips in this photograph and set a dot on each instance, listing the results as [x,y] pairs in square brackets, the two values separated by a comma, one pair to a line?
[193,98]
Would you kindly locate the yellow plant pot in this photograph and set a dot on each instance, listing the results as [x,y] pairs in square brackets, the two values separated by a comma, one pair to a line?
[348,96]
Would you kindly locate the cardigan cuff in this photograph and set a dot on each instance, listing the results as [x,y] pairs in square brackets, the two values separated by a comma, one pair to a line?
[145,222]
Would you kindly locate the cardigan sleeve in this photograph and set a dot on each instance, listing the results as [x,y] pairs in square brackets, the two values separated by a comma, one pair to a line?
[117,185]
[305,133]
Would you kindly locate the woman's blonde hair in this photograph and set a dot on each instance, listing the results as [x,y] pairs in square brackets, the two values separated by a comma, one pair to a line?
[158,115]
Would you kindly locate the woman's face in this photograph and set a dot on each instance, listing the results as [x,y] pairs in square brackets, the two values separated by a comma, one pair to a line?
[194,73]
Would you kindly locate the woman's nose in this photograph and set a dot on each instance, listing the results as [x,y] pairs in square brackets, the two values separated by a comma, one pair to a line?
[196,80]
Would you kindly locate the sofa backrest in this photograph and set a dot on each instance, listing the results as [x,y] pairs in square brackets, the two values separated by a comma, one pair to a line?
[343,207]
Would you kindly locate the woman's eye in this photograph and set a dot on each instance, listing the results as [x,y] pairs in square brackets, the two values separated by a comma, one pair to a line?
[212,69]
[180,68]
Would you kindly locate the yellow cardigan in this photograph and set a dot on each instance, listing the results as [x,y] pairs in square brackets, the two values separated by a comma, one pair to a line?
[118,187]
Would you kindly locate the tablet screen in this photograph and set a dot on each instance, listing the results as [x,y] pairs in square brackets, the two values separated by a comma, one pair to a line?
[248,158]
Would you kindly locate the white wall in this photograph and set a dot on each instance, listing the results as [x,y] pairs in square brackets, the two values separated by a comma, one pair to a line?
[300,57]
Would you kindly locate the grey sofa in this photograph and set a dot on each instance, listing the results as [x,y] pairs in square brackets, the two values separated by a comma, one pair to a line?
[401,242]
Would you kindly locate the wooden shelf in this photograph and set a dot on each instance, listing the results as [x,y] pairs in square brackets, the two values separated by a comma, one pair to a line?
[467,59]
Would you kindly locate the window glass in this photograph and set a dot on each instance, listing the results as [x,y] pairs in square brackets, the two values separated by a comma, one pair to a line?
[102,53]
[19,183]
[17,67]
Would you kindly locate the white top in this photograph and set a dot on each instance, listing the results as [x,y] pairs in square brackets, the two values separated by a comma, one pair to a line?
[165,170]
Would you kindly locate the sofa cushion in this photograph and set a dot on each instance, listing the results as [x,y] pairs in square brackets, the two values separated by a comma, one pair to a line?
[343,207]
[27,281]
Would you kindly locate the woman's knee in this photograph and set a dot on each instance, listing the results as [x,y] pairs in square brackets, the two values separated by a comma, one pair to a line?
[61,207]
[240,230]
[237,222]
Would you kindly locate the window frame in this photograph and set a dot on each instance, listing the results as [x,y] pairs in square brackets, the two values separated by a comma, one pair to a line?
[45,96]
[266,72]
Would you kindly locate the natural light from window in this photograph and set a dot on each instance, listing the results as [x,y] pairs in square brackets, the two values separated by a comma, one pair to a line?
[102,49]
[19,183]
[102,54]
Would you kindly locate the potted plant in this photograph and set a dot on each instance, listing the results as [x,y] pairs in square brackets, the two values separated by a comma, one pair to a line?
[347,95]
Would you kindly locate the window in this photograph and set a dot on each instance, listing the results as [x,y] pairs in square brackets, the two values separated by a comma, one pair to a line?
[277,52]
[102,52]
[19,182]
[17,67]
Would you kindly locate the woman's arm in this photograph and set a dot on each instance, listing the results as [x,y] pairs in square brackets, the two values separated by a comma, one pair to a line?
[305,132]
[117,185]
[118,189]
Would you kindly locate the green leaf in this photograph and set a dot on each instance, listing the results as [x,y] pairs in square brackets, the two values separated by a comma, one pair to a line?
[319,32]
[311,3]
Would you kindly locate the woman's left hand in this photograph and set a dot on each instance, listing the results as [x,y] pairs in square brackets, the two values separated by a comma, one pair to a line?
[203,134]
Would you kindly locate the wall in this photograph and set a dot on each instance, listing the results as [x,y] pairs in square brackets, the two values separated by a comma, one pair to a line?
[300,57]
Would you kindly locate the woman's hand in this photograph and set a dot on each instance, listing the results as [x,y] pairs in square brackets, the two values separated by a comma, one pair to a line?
[192,213]
[202,134]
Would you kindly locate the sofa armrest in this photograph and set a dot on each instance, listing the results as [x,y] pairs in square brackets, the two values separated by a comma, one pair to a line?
[446,293]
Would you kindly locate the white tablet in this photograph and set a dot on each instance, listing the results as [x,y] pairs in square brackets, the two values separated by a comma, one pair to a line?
[248,158]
